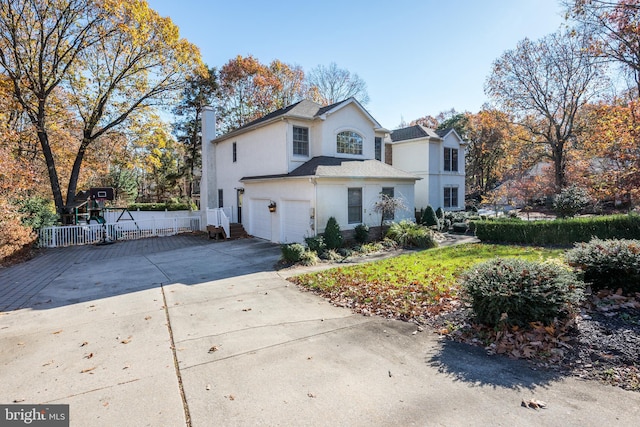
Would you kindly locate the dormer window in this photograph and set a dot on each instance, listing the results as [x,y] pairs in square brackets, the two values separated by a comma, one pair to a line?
[349,142]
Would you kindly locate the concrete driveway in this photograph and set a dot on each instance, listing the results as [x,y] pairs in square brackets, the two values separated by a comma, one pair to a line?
[184,331]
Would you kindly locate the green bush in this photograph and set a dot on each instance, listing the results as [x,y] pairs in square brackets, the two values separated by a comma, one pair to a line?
[460,227]
[37,212]
[570,201]
[609,264]
[315,244]
[332,235]
[429,217]
[361,233]
[440,213]
[409,234]
[563,232]
[292,252]
[512,291]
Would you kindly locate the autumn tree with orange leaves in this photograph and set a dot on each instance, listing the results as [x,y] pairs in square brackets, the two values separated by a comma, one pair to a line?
[104,60]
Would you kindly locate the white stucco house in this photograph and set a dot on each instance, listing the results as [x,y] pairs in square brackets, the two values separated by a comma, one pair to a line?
[438,157]
[282,176]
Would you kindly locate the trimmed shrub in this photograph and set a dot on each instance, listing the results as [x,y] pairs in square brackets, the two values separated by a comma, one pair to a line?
[292,252]
[315,244]
[169,206]
[429,217]
[570,201]
[439,213]
[564,232]
[332,235]
[460,227]
[512,291]
[409,234]
[361,233]
[609,264]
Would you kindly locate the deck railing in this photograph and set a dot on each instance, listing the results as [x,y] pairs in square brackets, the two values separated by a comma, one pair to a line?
[72,235]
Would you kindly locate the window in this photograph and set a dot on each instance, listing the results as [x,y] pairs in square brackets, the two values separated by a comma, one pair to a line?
[450,159]
[300,141]
[450,197]
[235,152]
[378,149]
[349,143]
[389,192]
[354,202]
[220,203]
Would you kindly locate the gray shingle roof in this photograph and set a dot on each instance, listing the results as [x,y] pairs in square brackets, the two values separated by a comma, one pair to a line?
[413,132]
[336,167]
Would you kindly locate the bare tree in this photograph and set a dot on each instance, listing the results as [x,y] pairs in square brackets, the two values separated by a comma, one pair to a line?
[544,84]
[331,84]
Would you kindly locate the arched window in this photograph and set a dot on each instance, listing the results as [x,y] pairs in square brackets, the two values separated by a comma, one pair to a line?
[349,143]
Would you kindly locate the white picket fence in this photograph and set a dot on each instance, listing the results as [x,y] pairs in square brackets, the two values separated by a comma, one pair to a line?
[71,235]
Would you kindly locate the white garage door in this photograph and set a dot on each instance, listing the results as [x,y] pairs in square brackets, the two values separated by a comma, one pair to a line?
[295,221]
[260,219]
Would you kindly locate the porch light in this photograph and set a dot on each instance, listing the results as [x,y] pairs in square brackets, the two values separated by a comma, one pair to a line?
[272,206]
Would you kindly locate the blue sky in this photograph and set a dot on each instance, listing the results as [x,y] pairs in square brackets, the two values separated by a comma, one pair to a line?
[417,57]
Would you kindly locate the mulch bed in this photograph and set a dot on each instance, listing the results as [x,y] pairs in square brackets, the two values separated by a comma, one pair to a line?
[601,343]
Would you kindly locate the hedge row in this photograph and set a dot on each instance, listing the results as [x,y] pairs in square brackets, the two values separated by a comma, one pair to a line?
[159,206]
[564,232]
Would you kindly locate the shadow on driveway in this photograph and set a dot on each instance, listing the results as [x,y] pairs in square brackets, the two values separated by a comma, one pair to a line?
[78,274]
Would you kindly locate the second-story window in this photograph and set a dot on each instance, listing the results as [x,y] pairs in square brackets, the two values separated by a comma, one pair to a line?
[235,152]
[349,143]
[300,141]
[450,159]
[378,148]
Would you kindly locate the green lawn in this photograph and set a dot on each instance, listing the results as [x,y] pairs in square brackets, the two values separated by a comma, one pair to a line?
[410,285]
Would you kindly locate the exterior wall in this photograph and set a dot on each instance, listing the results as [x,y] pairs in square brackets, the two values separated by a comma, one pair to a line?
[332,201]
[315,138]
[453,179]
[261,152]
[279,191]
[414,156]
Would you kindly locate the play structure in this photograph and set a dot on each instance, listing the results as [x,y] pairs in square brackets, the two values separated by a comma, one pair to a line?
[89,208]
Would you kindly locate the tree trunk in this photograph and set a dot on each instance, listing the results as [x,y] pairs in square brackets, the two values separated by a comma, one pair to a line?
[51,168]
[558,164]
[75,171]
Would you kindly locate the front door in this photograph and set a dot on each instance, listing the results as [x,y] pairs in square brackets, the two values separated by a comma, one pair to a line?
[239,194]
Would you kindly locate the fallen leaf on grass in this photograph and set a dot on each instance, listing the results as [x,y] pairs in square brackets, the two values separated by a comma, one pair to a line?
[84,371]
[533,404]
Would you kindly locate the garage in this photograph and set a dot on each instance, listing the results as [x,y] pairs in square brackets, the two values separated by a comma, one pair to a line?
[296,220]
[260,219]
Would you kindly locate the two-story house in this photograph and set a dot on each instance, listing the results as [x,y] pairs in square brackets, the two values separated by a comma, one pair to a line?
[284,175]
[436,156]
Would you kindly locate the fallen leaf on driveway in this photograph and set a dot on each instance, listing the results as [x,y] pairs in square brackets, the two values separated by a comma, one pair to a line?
[246,309]
[84,371]
[533,404]
[18,400]
[212,349]
[126,340]
[147,318]
[88,356]
[84,343]
[311,394]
